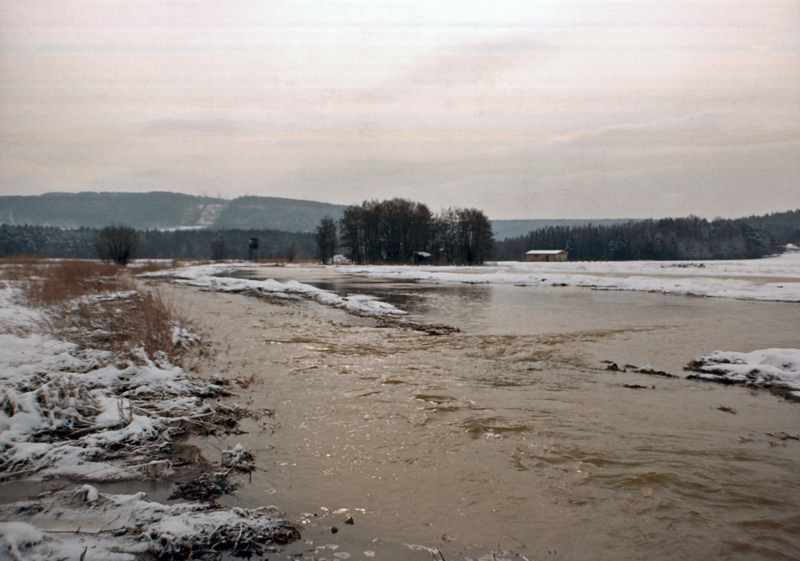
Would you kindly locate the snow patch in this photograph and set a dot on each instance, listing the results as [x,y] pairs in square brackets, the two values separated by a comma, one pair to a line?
[116,527]
[209,277]
[768,368]
[71,412]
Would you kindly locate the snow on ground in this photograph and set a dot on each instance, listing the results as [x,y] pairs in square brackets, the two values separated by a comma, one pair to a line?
[207,276]
[67,411]
[768,368]
[85,414]
[774,279]
[86,524]
[70,413]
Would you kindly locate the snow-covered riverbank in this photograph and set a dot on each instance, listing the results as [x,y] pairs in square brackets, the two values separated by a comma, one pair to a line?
[773,279]
[72,412]
[68,410]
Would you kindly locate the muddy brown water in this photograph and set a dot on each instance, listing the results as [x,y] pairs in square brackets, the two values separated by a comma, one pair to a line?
[510,439]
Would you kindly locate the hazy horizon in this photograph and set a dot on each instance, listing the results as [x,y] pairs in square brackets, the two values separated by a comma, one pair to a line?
[550,110]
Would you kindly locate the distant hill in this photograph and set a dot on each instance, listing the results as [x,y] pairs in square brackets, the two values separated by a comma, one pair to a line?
[163,210]
[290,215]
[167,211]
[514,228]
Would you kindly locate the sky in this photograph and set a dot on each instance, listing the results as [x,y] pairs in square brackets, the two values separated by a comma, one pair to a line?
[524,109]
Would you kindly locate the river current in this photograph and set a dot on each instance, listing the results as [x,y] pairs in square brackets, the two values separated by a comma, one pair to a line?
[511,439]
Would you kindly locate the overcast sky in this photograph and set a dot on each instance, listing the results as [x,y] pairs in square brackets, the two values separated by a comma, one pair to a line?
[525,109]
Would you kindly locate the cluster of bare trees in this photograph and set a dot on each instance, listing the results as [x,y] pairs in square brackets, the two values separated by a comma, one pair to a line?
[403,231]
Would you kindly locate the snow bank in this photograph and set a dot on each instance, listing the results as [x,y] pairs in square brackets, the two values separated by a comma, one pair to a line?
[18,537]
[769,368]
[117,527]
[208,276]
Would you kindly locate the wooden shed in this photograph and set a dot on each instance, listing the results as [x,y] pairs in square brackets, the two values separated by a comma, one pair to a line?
[546,255]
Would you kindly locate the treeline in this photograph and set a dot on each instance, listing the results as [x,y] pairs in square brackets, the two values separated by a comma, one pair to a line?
[666,239]
[399,231]
[48,241]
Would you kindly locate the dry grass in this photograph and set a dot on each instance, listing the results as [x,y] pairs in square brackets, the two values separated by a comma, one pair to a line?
[45,283]
[19,259]
[98,305]
[187,261]
[122,324]
[67,280]
[20,267]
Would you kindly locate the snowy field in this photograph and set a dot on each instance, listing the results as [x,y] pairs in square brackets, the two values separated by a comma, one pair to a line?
[773,279]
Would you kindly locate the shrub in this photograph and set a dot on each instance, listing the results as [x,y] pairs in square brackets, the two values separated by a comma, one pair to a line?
[117,244]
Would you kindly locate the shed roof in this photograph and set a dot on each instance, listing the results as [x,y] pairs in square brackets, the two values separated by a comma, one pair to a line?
[545,252]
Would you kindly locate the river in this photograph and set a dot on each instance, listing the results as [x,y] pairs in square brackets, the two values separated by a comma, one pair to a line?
[510,439]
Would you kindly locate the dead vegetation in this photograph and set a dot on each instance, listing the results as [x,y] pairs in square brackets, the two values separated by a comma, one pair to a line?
[48,283]
[108,525]
[99,306]
[614,367]
[101,399]
[126,342]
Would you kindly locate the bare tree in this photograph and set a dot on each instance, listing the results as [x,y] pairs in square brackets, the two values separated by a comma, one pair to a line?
[475,236]
[325,237]
[116,243]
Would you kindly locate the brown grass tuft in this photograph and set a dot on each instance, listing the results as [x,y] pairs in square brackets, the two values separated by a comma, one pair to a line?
[122,324]
[45,283]
[66,280]
[97,305]
[187,261]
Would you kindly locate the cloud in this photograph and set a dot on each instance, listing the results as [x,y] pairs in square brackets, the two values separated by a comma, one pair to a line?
[476,63]
[215,126]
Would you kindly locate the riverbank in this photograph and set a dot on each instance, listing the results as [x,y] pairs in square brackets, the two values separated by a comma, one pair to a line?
[90,395]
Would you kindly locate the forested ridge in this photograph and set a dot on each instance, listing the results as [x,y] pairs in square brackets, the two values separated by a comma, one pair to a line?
[49,241]
[664,239]
[163,210]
